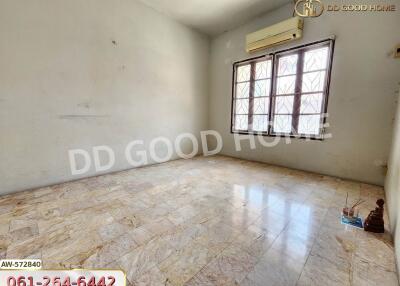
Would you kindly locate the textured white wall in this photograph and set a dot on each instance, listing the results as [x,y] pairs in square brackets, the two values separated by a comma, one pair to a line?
[361,104]
[392,184]
[64,84]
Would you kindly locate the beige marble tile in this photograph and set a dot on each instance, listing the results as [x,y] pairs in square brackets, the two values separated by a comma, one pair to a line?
[230,267]
[205,221]
[293,246]
[376,248]
[5,241]
[239,219]
[285,207]
[304,230]
[182,214]
[320,271]
[247,282]
[199,280]
[255,240]
[143,258]
[110,252]
[367,273]
[19,250]
[271,221]
[88,220]
[217,235]
[157,211]
[276,269]
[24,233]
[160,226]
[60,255]
[129,207]
[137,187]
[184,264]
[336,246]
[113,230]
[181,236]
[141,235]
[253,197]
[4,228]
[153,277]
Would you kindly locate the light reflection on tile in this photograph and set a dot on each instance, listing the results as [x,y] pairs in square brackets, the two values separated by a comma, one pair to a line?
[293,246]
[272,222]
[255,241]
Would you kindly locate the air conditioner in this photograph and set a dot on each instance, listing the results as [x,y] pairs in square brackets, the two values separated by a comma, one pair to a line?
[283,32]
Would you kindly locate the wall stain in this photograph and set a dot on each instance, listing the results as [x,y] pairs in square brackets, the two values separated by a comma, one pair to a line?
[82,116]
[114,42]
[84,105]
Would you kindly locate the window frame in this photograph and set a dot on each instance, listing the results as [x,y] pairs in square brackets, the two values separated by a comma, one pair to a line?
[274,56]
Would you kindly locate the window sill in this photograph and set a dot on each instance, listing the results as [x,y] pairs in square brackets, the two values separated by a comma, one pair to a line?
[302,137]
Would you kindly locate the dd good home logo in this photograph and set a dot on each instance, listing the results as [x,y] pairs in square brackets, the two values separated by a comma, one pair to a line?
[309,8]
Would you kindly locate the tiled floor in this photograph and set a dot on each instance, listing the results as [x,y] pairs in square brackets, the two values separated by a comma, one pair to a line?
[207,221]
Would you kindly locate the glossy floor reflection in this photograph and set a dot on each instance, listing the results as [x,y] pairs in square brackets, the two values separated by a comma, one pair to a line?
[206,221]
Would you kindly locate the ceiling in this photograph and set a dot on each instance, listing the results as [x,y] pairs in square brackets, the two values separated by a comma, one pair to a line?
[214,17]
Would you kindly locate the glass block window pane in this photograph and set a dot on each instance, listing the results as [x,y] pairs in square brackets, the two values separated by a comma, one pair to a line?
[284,104]
[262,88]
[309,124]
[242,106]
[313,82]
[286,85]
[287,65]
[311,103]
[283,123]
[263,69]
[261,105]
[243,73]
[260,123]
[316,59]
[243,90]
[241,122]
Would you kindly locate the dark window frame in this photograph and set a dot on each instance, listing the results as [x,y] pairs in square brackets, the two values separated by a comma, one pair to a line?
[297,93]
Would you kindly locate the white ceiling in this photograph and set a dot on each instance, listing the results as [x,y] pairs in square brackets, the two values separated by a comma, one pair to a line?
[213,17]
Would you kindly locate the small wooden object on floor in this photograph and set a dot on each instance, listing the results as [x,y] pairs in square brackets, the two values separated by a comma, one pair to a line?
[374,222]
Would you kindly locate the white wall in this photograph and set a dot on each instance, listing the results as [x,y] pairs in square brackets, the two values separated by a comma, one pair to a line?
[361,105]
[392,184]
[65,85]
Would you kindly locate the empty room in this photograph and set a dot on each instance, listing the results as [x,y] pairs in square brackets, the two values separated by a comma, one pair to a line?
[198,142]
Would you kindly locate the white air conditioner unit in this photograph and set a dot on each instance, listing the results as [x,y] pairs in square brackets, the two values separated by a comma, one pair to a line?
[280,33]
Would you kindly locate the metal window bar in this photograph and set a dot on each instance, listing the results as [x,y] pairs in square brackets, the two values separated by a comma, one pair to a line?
[297,94]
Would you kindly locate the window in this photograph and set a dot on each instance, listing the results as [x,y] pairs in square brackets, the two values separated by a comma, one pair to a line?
[283,94]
